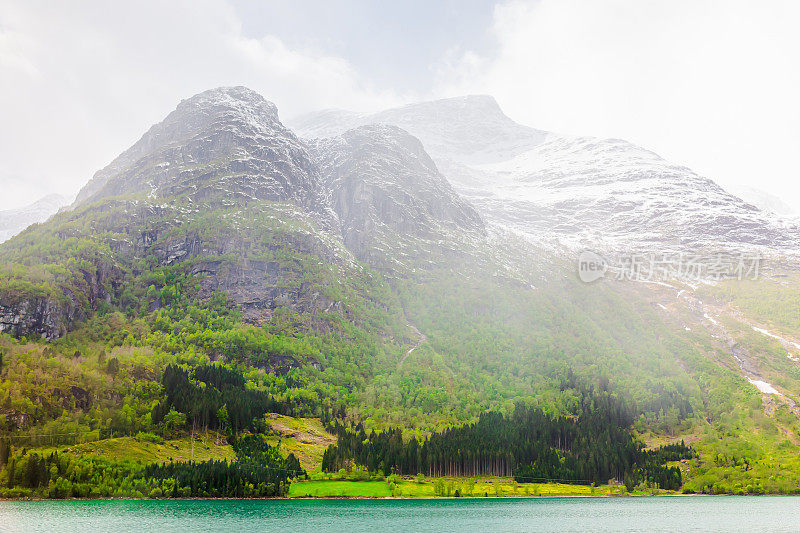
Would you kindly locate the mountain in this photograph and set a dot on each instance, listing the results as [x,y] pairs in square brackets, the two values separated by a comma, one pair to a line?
[12,221]
[415,276]
[578,192]
[223,189]
[470,128]
[221,145]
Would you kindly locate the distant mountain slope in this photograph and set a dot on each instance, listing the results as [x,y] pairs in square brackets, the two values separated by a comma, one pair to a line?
[470,128]
[765,201]
[12,221]
[573,191]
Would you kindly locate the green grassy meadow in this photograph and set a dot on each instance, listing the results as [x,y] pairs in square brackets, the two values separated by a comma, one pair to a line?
[340,489]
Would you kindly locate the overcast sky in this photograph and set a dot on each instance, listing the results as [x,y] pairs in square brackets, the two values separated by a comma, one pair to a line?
[713,85]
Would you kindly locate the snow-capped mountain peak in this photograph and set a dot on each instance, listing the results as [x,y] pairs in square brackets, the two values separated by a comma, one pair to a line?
[222,143]
[575,191]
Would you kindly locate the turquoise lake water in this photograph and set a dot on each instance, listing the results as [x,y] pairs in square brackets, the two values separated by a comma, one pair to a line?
[711,513]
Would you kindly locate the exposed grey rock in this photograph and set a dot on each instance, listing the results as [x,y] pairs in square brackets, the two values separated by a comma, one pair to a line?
[50,317]
[380,178]
[40,315]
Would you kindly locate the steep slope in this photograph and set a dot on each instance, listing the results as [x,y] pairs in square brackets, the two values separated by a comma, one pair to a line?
[223,192]
[619,196]
[573,191]
[12,221]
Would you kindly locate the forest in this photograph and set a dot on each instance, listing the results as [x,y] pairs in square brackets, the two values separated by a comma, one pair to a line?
[259,471]
[215,399]
[590,446]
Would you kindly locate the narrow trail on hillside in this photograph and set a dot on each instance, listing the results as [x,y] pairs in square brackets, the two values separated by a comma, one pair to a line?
[421,337]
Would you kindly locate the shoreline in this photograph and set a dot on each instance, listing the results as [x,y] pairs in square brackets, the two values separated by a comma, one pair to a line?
[378,498]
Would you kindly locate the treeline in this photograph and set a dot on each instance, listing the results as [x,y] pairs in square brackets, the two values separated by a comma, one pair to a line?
[592,446]
[214,397]
[652,471]
[259,471]
[55,475]
[670,452]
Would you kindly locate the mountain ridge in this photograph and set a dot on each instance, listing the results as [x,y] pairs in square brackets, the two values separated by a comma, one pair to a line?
[580,192]
[228,131]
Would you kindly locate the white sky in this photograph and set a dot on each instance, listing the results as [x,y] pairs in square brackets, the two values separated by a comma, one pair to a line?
[713,85]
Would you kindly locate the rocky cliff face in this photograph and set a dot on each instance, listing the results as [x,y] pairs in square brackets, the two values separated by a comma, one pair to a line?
[260,266]
[40,315]
[52,312]
[383,186]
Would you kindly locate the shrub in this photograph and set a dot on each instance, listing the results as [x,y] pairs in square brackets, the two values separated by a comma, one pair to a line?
[149,437]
